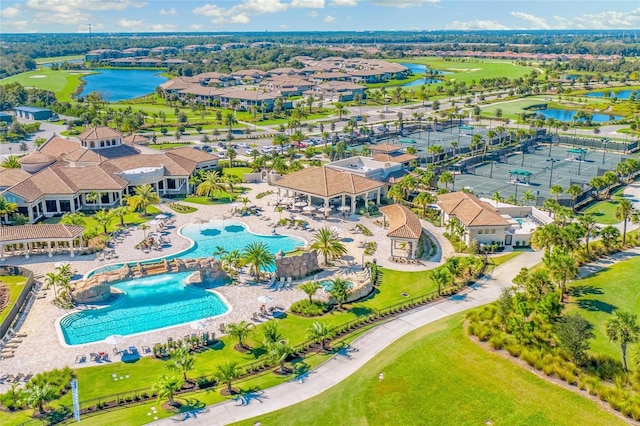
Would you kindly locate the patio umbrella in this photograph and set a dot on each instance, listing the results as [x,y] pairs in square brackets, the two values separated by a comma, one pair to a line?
[308,208]
[335,229]
[198,325]
[300,203]
[114,339]
[162,216]
[154,222]
[61,264]
[299,218]
[344,208]
[264,299]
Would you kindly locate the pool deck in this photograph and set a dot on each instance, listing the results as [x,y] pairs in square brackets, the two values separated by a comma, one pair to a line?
[42,350]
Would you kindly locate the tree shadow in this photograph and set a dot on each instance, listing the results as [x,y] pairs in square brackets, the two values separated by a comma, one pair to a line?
[360,311]
[583,290]
[258,352]
[56,416]
[596,306]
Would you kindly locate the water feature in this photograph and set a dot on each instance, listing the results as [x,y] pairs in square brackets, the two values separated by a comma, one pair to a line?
[568,114]
[118,84]
[71,61]
[146,304]
[622,94]
[419,69]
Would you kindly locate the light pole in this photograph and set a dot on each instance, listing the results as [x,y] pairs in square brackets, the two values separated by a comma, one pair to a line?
[552,161]
[491,170]
[515,184]
[605,142]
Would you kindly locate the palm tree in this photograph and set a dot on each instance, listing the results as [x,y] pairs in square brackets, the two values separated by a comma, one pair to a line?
[339,290]
[11,162]
[38,393]
[167,387]
[497,198]
[210,185]
[623,328]
[442,278]
[340,109]
[423,200]
[75,218]
[310,287]
[271,333]
[589,228]
[121,212]
[231,154]
[240,331]
[278,352]
[6,208]
[219,252]
[229,121]
[227,372]
[144,196]
[446,178]
[144,228]
[561,267]
[52,279]
[635,219]
[328,244]
[181,361]
[258,257]
[556,190]
[103,218]
[623,211]
[574,191]
[320,332]
[93,197]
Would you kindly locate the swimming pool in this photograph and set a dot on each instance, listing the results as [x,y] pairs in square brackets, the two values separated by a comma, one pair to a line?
[146,304]
[228,234]
[328,285]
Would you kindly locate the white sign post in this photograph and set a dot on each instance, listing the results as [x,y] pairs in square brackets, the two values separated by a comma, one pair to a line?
[76,401]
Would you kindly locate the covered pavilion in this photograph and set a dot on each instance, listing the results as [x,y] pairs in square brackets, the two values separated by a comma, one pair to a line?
[576,154]
[520,176]
[404,227]
[328,184]
[33,239]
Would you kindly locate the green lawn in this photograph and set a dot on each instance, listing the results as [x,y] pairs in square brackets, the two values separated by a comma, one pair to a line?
[15,284]
[169,145]
[513,109]
[604,211]
[436,375]
[58,59]
[62,82]
[236,171]
[130,219]
[597,296]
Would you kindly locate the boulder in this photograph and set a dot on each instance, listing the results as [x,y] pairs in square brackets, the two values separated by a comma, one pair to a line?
[195,278]
[92,291]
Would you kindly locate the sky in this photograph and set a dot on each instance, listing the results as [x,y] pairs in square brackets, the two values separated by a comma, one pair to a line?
[68,16]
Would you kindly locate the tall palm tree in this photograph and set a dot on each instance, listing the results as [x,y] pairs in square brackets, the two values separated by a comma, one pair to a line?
[556,190]
[258,257]
[623,328]
[446,178]
[574,191]
[167,387]
[320,332]
[6,208]
[497,198]
[38,393]
[121,212]
[328,244]
[229,121]
[423,200]
[210,185]
[635,219]
[240,331]
[623,212]
[561,267]
[278,352]
[589,228]
[339,290]
[144,196]
[103,218]
[528,196]
[228,372]
[442,278]
[310,288]
[181,361]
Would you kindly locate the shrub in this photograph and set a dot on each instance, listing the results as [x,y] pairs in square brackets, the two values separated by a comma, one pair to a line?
[313,309]
[181,208]
[498,341]
[513,348]
[263,194]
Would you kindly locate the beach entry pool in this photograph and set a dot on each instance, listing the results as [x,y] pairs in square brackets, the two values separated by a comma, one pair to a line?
[228,234]
[147,304]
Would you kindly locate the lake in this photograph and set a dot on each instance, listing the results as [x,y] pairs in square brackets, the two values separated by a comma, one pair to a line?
[118,85]
[419,69]
[622,94]
[568,114]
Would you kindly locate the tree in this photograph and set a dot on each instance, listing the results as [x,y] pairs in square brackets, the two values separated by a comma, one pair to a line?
[6,208]
[446,178]
[623,328]
[589,229]
[167,387]
[121,212]
[497,198]
[572,334]
[229,121]
[310,288]
[609,237]
[271,333]
[75,218]
[103,218]
[574,191]
[320,332]
[561,267]
[240,331]
[11,162]
[328,244]
[181,361]
[441,277]
[211,184]
[423,200]
[278,352]
[38,393]
[258,257]
[556,190]
[339,290]
[144,196]
[340,109]
[623,212]
[528,196]
[231,154]
[635,219]
[228,372]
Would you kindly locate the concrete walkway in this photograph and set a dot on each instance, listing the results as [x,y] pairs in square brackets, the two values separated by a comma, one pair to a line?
[357,354]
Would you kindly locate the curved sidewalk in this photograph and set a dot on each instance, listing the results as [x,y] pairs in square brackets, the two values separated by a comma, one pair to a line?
[362,350]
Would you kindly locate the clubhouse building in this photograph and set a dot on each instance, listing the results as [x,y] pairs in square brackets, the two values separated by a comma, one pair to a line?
[57,177]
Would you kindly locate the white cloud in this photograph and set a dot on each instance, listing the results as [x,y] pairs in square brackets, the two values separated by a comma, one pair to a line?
[162,27]
[475,25]
[313,14]
[283,26]
[240,13]
[129,23]
[18,25]
[604,20]
[240,18]
[70,6]
[343,3]
[94,27]
[9,12]
[260,7]
[329,19]
[171,11]
[402,4]
[60,18]
[195,27]
[308,4]
[535,21]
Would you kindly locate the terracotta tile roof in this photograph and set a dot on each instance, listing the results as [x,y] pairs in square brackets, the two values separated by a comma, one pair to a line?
[326,182]
[135,139]
[469,210]
[89,178]
[45,181]
[57,146]
[384,148]
[41,232]
[400,158]
[403,223]
[84,155]
[10,177]
[173,166]
[37,157]
[97,133]
[191,154]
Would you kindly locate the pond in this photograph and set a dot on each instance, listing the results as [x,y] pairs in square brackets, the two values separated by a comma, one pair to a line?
[419,69]
[118,85]
[622,94]
[568,114]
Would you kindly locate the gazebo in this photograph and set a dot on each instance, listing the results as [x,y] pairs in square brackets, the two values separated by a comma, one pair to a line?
[576,154]
[34,239]
[404,227]
[519,176]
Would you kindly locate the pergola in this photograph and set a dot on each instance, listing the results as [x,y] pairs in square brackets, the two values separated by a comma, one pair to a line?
[576,154]
[518,173]
[33,239]
[404,228]
[326,184]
